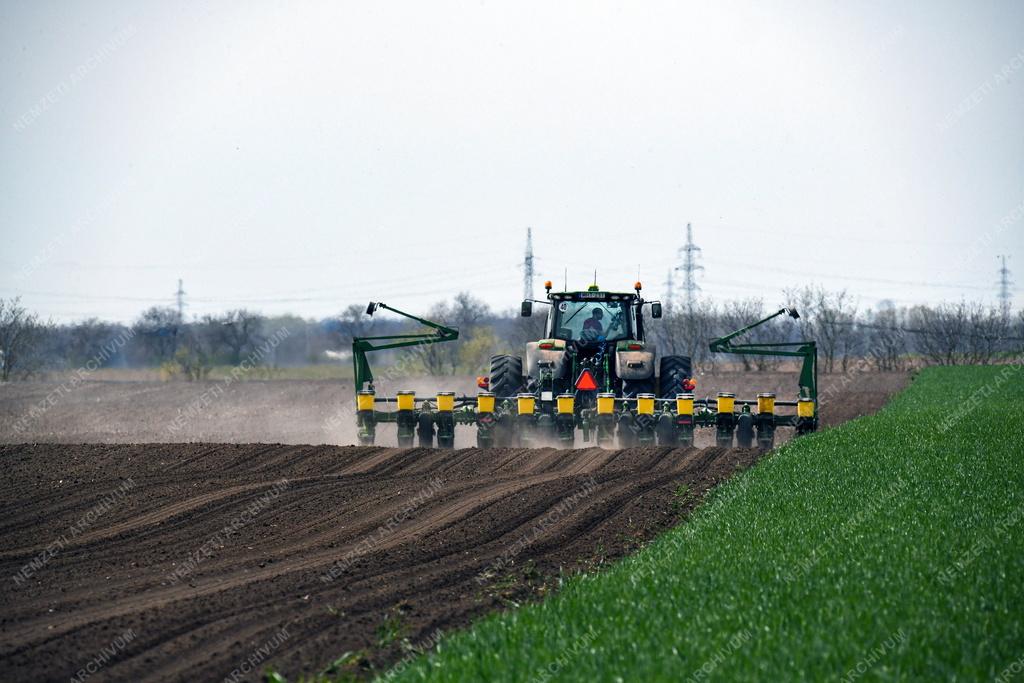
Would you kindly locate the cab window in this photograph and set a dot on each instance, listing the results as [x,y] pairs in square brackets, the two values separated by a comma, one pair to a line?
[590,321]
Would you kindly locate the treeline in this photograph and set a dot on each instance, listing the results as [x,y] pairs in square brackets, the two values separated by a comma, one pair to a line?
[883,338]
[190,349]
[159,338]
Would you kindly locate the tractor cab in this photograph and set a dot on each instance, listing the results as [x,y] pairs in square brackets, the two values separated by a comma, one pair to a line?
[612,318]
[594,341]
[594,316]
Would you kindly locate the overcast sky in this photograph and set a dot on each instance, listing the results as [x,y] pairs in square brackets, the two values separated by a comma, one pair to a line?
[303,156]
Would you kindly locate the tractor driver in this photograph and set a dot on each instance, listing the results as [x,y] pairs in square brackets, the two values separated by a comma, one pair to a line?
[593,324]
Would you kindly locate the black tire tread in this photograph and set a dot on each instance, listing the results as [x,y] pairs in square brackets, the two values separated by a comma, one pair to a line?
[506,375]
[673,370]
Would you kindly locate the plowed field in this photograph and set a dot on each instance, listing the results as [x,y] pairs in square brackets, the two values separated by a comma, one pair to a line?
[217,558]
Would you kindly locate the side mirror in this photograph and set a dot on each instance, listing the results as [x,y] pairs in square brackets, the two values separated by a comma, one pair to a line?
[656,309]
[527,310]
[793,314]
[371,308]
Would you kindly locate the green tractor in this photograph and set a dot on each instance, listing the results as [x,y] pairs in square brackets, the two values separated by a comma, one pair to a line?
[594,341]
[595,344]
[595,372]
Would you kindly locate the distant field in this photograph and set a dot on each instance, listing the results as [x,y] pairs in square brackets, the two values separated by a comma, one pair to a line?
[890,548]
[322,371]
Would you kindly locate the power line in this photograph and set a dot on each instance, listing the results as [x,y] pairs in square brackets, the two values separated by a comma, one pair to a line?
[180,297]
[528,266]
[1005,298]
[907,330]
[845,237]
[690,253]
[804,275]
[90,297]
[325,294]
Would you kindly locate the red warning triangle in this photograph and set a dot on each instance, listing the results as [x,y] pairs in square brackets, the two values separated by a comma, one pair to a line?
[586,381]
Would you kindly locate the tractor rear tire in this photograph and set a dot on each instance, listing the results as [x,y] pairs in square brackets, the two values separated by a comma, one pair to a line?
[745,430]
[506,375]
[674,369]
[425,430]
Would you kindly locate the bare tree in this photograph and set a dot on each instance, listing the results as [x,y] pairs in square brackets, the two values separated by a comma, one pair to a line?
[1017,346]
[347,325]
[851,337]
[827,317]
[941,332]
[194,356]
[988,329]
[86,337]
[20,331]
[519,331]
[439,359]
[157,333]
[686,333]
[805,301]
[739,314]
[239,331]
[835,312]
[466,313]
[885,340]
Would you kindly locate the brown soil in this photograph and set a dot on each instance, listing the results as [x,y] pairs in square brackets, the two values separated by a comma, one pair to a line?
[486,528]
